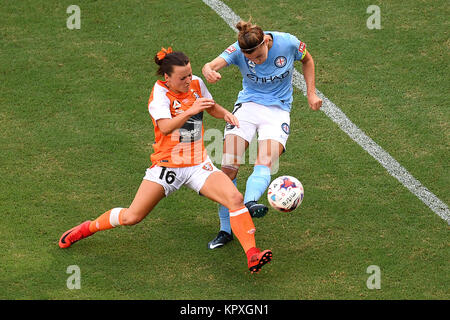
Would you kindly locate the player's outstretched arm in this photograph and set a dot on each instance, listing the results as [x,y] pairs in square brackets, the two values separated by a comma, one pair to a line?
[210,69]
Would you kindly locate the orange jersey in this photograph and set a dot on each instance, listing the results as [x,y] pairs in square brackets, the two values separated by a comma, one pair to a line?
[183,147]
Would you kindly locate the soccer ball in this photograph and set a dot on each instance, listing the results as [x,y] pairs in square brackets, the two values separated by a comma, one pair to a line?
[285,193]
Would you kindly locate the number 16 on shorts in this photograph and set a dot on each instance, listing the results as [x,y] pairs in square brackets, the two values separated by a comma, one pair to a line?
[168,176]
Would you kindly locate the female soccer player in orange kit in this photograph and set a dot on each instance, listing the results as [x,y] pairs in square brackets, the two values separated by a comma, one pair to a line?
[176,107]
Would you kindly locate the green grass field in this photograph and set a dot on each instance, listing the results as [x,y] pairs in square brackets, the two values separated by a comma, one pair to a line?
[76,138]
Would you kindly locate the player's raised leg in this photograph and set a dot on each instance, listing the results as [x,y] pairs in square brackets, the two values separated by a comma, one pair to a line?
[147,196]
[219,188]
[269,152]
[233,151]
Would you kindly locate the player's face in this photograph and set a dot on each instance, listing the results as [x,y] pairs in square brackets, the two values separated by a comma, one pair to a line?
[180,79]
[259,55]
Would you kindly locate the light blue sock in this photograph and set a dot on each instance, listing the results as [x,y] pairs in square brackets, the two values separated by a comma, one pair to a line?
[257,183]
[224,216]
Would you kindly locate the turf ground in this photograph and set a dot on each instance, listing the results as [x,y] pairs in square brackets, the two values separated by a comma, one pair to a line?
[76,138]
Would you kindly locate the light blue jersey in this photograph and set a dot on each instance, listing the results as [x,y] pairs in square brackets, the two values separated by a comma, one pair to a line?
[269,83]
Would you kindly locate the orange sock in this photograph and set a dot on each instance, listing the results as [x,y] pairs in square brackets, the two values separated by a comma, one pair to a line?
[108,220]
[243,227]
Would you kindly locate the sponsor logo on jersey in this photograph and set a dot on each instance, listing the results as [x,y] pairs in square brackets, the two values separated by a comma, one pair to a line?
[269,79]
[230,49]
[280,61]
[192,129]
[302,47]
[176,104]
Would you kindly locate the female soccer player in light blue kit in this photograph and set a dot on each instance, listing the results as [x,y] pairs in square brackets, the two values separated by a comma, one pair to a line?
[266,61]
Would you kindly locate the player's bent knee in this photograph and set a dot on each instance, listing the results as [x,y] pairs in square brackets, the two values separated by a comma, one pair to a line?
[131,218]
[235,200]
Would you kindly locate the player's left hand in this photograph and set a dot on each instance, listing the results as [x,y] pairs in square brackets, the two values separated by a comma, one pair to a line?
[314,102]
[231,119]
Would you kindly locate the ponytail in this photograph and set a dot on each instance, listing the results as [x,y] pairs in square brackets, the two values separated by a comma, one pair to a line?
[250,36]
[166,59]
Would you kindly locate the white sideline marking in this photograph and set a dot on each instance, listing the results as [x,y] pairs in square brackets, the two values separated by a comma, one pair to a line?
[336,115]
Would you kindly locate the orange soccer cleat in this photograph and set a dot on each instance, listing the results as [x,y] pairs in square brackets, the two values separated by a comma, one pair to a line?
[256,259]
[73,235]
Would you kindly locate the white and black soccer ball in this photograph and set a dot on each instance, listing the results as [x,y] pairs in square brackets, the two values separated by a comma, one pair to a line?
[285,193]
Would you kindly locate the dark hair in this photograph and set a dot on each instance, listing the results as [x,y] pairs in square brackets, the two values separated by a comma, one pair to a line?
[166,64]
[250,36]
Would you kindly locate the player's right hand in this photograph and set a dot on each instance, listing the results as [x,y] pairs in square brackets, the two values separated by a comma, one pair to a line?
[201,104]
[210,75]
[213,77]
